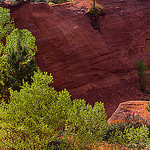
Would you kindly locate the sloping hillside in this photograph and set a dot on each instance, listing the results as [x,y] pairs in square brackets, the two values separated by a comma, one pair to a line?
[91,65]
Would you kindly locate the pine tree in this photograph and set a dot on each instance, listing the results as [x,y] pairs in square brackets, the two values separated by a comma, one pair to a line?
[20,66]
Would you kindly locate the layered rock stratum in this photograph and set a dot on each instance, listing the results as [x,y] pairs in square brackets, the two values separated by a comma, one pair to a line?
[91,65]
[135,110]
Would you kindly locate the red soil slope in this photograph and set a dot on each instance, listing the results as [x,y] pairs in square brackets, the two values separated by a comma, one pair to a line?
[93,66]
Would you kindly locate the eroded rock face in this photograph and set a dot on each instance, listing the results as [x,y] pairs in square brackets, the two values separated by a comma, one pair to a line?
[133,108]
[93,66]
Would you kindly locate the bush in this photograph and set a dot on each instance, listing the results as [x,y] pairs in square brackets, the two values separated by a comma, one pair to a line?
[117,137]
[57,1]
[38,117]
[137,138]
[96,11]
[148,108]
[19,67]
[143,79]
[17,60]
[36,1]
[2,68]
[130,132]
[51,2]
[85,124]
[35,116]
[26,39]
[16,2]
[119,127]
[6,24]
[131,137]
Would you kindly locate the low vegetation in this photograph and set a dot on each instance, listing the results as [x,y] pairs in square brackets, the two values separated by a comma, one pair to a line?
[51,2]
[38,117]
[95,11]
[6,23]
[143,78]
[17,61]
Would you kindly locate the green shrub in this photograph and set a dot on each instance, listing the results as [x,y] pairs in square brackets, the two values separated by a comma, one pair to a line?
[36,1]
[51,2]
[95,11]
[137,138]
[86,125]
[6,24]
[19,67]
[38,117]
[25,37]
[117,137]
[15,2]
[143,79]
[131,137]
[57,1]
[2,69]
[17,60]
[119,127]
[35,116]
[130,132]
[148,108]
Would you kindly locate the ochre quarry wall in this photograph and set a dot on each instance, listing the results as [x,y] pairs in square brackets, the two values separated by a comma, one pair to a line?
[91,65]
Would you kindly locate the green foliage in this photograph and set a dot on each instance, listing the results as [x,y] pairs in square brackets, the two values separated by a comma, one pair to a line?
[26,39]
[143,79]
[148,108]
[117,137]
[17,60]
[131,137]
[19,66]
[38,117]
[95,11]
[137,138]
[6,24]
[2,68]
[57,1]
[85,124]
[131,133]
[15,2]
[35,115]
[36,1]
[119,127]
[51,2]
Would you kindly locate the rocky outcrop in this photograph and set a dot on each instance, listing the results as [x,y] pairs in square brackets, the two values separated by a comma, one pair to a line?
[93,66]
[132,109]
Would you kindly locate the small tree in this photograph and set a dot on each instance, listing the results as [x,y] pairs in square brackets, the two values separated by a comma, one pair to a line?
[95,10]
[143,79]
[6,24]
[19,67]
[17,60]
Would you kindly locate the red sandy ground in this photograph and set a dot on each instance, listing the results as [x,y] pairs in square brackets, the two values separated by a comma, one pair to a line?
[90,65]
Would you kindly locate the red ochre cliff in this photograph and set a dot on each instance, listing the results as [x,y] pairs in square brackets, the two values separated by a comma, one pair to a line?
[91,65]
